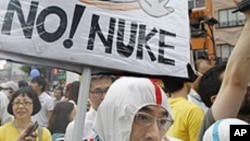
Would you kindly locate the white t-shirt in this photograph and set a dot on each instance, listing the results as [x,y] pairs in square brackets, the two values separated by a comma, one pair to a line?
[88,132]
[47,104]
[4,115]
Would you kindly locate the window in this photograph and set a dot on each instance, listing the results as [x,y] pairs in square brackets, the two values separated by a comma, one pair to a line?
[196,4]
[226,50]
[241,18]
[200,54]
[229,19]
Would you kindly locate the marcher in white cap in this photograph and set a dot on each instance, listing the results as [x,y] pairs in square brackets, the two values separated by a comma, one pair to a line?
[9,88]
[134,109]
[220,130]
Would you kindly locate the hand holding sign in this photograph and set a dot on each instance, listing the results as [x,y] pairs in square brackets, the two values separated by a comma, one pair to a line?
[156,8]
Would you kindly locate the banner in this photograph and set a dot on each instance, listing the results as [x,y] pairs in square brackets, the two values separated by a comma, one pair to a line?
[138,36]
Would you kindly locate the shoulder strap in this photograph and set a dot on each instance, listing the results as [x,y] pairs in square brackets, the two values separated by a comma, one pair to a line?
[40,133]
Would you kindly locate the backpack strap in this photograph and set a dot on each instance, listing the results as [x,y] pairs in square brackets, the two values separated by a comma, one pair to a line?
[40,133]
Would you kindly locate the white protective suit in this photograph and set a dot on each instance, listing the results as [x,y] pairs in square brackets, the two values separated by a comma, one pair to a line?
[220,130]
[124,99]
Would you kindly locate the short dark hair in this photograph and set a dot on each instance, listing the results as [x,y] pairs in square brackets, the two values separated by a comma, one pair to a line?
[74,86]
[22,83]
[172,85]
[60,89]
[101,76]
[40,81]
[28,91]
[210,83]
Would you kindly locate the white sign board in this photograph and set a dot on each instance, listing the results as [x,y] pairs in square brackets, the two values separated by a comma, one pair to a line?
[139,36]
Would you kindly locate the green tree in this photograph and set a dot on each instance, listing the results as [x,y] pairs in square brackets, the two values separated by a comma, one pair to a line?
[26,69]
[43,70]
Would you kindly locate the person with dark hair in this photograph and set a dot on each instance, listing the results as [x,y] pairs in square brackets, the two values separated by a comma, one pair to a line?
[42,117]
[23,104]
[58,94]
[236,77]
[187,115]
[73,92]
[66,91]
[63,113]
[210,84]
[201,66]
[99,85]
[22,83]
[134,109]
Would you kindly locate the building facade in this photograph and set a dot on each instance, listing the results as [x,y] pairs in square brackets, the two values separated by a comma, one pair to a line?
[202,40]
[229,27]
[214,41]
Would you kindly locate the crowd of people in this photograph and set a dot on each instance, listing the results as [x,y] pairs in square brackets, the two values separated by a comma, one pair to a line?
[129,108]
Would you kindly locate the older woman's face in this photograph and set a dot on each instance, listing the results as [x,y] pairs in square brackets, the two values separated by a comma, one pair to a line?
[22,107]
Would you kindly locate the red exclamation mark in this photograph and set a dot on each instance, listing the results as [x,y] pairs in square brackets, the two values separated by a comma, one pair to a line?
[77,16]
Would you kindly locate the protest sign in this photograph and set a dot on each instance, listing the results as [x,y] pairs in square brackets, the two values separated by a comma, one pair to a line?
[139,36]
[147,37]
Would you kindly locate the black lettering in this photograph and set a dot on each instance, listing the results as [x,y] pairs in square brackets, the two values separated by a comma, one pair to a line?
[95,29]
[27,27]
[51,37]
[142,40]
[79,10]
[162,45]
[122,49]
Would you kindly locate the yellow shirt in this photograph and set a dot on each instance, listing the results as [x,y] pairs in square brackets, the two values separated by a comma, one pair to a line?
[9,133]
[187,119]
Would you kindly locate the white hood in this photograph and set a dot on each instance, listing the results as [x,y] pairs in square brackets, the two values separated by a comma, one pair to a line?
[124,98]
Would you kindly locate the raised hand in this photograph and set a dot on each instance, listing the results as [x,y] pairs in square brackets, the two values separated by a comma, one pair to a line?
[22,136]
[156,8]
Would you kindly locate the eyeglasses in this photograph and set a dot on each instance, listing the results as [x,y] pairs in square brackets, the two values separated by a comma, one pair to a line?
[99,92]
[25,103]
[145,119]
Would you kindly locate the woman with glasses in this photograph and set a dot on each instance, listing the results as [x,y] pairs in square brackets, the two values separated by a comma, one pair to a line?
[134,109]
[23,104]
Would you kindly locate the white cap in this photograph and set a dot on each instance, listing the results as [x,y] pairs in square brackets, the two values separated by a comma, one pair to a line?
[10,84]
[220,130]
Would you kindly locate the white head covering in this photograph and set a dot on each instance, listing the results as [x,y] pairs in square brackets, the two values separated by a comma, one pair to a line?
[220,130]
[10,84]
[124,99]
